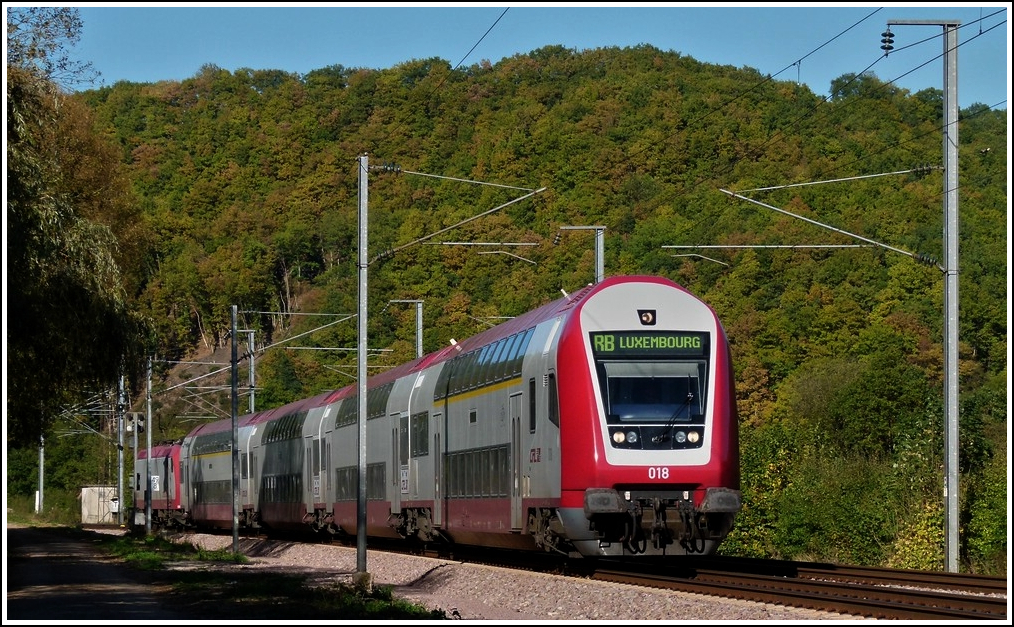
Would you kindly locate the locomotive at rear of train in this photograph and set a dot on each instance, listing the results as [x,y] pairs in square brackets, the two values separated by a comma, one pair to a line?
[601,424]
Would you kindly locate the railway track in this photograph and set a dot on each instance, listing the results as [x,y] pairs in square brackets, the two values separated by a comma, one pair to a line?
[879,593]
[869,592]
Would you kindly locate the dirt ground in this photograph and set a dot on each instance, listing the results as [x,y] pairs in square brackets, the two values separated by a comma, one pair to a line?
[60,576]
[52,576]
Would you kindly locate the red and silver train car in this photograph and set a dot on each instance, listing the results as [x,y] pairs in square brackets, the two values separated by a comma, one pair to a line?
[162,470]
[601,424]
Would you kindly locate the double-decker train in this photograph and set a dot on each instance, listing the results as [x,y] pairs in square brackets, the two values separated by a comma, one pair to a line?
[600,424]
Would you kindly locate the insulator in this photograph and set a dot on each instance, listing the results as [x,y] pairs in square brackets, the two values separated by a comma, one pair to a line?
[887,41]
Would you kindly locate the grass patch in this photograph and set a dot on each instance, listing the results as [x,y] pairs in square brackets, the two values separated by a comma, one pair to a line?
[152,552]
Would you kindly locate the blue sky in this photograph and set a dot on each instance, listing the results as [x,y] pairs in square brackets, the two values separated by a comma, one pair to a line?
[809,44]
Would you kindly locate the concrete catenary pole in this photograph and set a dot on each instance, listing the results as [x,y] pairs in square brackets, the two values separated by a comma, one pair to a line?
[950,140]
[362,576]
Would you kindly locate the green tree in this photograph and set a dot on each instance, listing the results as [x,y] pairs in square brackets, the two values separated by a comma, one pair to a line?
[69,326]
[249,190]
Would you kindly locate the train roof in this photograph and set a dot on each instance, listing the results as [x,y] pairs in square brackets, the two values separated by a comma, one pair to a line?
[553,309]
[560,307]
[287,409]
[162,449]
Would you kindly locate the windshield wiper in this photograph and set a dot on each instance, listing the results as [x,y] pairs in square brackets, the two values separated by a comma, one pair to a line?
[671,423]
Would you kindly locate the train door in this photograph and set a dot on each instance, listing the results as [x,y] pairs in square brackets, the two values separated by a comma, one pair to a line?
[404,452]
[327,495]
[244,476]
[169,485]
[256,478]
[438,469]
[517,519]
[312,473]
[399,459]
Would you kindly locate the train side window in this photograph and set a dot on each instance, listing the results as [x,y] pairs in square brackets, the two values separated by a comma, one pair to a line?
[440,390]
[457,489]
[473,366]
[503,466]
[503,359]
[487,477]
[376,401]
[403,439]
[531,405]
[420,434]
[473,474]
[472,416]
[496,360]
[481,375]
[462,373]
[518,357]
[513,365]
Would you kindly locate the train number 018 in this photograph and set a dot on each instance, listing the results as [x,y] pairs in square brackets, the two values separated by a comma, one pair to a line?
[658,472]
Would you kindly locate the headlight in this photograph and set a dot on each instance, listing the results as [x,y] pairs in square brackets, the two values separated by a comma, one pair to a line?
[681,436]
[693,436]
[632,437]
[618,437]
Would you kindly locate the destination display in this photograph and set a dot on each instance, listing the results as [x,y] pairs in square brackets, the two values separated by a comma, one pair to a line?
[649,343]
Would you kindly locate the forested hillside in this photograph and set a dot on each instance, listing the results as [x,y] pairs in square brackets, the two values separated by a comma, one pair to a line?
[246,191]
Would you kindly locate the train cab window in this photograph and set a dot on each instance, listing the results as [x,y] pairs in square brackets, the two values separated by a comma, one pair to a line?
[654,391]
[554,399]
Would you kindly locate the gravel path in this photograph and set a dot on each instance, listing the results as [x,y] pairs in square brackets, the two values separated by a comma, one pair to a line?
[476,592]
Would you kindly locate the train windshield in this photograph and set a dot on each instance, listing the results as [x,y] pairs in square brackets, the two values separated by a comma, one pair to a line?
[653,391]
[652,377]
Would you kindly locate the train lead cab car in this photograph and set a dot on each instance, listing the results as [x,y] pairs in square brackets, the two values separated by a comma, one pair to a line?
[649,429]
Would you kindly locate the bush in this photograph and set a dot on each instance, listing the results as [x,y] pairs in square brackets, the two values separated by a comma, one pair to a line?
[59,507]
[837,509]
[920,543]
[986,530]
